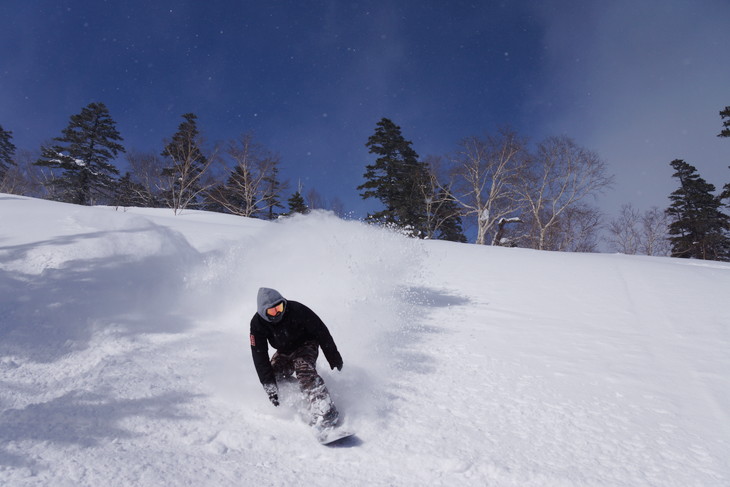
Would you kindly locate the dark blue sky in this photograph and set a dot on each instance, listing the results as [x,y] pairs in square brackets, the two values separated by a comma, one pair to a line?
[641,83]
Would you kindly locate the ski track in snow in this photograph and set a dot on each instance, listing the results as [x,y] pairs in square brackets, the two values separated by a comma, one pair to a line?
[124,357]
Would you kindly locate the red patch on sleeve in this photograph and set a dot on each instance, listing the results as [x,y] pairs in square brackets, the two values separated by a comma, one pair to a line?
[253,341]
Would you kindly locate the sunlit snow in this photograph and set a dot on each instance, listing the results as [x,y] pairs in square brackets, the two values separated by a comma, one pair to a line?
[124,356]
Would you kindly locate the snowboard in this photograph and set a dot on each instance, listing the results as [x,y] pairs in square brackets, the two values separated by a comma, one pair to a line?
[331,435]
[312,414]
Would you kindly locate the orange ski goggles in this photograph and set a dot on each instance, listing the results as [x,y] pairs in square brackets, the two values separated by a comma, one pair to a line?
[275,310]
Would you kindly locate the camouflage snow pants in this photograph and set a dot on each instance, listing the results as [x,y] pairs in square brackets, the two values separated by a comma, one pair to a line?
[301,363]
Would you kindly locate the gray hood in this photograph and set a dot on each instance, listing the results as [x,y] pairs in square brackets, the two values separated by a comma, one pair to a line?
[266,299]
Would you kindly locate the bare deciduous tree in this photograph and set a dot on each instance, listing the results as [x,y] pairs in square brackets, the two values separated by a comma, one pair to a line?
[23,177]
[486,170]
[578,230]
[42,181]
[442,212]
[561,177]
[184,184]
[246,191]
[146,170]
[654,224]
[623,231]
[184,178]
[315,200]
[632,232]
[11,181]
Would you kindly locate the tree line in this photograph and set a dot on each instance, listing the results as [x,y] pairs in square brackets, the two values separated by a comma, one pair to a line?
[510,192]
[541,198]
[240,177]
[513,195]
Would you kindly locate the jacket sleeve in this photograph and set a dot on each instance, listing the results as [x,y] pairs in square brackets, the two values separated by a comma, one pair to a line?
[260,353]
[317,327]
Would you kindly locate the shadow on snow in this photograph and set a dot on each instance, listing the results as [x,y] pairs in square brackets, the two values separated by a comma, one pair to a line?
[84,419]
[416,323]
[48,315]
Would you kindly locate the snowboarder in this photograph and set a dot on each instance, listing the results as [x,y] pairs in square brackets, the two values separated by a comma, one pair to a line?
[297,333]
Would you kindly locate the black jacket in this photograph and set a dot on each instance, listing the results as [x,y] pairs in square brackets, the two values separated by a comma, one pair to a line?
[298,324]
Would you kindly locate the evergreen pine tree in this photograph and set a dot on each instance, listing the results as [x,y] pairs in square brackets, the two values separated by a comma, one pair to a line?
[297,204]
[725,114]
[186,165]
[7,152]
[272,188]
[698,228]
[725,195]
[84,154]
[396,178]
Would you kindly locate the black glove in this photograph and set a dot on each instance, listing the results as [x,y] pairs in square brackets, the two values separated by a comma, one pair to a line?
[336,365]
[273,393]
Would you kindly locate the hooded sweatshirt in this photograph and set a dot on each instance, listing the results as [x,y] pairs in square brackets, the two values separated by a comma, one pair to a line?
[286,333]
[268,298]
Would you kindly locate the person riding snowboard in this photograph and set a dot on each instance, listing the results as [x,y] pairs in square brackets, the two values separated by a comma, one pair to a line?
[297,333]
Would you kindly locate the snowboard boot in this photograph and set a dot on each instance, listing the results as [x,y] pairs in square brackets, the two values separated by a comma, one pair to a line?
[322,410]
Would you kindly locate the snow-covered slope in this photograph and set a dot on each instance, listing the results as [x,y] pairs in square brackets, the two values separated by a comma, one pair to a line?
[124,356]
